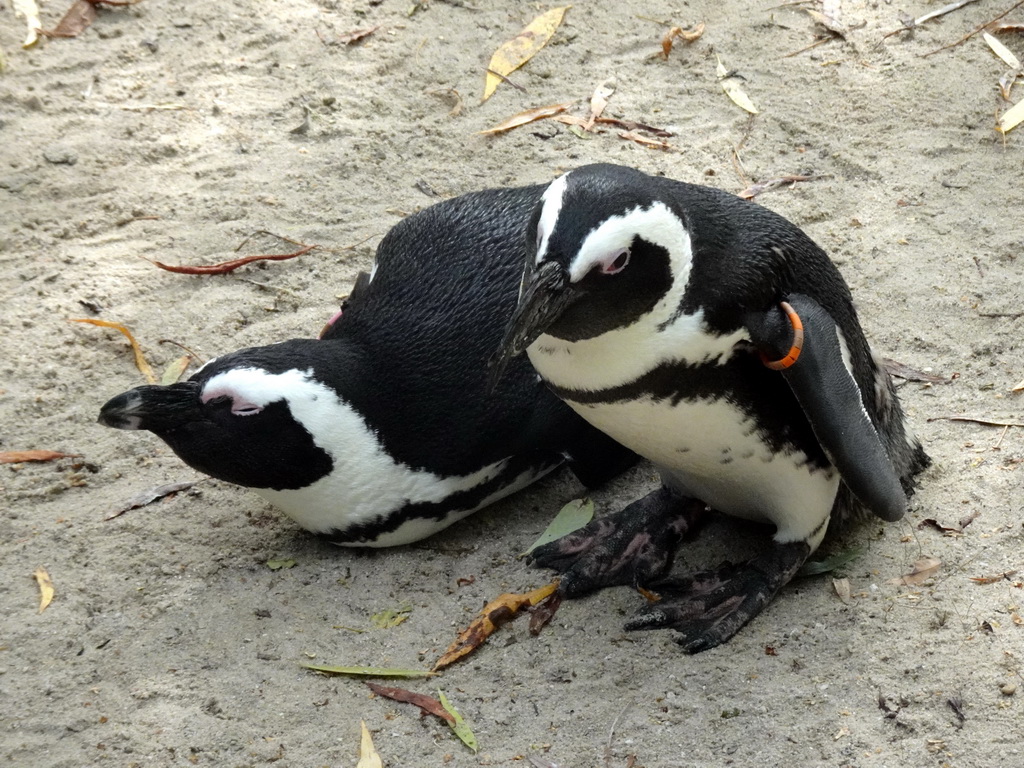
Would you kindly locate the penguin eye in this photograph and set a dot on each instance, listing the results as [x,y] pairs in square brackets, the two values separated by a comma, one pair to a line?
[617,264]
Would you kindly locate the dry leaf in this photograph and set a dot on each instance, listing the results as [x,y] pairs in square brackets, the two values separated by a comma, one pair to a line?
[528,116]
[756,189]
[1013,117]
[229,266]
[1018,388]
[428,704]
[369,671]
[896,368]
[923,570]
[148,497]
[1005,575]
[1002,51]
[544,613]
[45,588]
[599,101]
[645,140]
[140,359]
[175,370]
[78,19]
[357,34]
[512,55]
[842,588]
[30,11]
[687,34]
[16,457]
[493,615]
[368,756]
[732,89]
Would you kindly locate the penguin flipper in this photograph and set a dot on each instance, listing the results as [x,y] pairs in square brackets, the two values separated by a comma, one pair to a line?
[831,400]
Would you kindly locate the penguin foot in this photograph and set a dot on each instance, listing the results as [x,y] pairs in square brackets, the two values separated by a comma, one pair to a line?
[709,607]
[631,547]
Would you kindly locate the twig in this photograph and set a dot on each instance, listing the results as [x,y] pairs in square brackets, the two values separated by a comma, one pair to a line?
[611,734]
[179,345]
[976,30]
[1013,315]
[986,422]
[815,44]
[915,23]
[505,79]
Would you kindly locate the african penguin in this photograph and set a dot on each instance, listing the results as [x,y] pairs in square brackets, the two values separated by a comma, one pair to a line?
[714,338]
[382,432]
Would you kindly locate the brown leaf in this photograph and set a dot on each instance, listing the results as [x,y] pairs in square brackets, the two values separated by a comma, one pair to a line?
[756,189]
[686,34]
[931,522]
[80,16]
[644,140]
[923,569]
[140,359]
[229,266]
[357,34]
[16,457]
[1005,575]
[494,614]
[544,613]
[896,368]
[428,704]
[148,497]
[528,116]
[632,125]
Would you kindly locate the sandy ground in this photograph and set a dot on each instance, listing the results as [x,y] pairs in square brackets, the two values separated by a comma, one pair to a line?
[172,130]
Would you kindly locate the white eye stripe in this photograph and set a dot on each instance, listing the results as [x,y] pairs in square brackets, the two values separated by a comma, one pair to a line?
[552,206]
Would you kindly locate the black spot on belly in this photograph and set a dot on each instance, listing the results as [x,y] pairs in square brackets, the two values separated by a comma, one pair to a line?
[727,460]
[684,449]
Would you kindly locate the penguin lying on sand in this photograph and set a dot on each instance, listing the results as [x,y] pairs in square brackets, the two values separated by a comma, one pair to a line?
[382,431]
[714,338]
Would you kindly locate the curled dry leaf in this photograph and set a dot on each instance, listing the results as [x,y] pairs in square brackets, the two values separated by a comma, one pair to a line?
[494,614]
[756,189]
[645,141]
[896,368]
[148,497]
[368,755]
[528,116]
[598,101]
[357,34]
[686,34]
[544,613]
[1018,388]
[46,590]
[140,359]
[512,55]
[30,11]
[428,704]
[842,588]
[923,570]
[731,86]
[16,457]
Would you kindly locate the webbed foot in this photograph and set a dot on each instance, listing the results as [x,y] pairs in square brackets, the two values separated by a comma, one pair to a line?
[631,547]
[709,607]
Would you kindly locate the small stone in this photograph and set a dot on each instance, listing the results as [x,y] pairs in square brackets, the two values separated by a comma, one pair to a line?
[60,155]
[1008,689]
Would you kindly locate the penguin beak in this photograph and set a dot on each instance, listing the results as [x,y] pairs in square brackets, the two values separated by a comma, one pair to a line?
[153,407]
[543,297]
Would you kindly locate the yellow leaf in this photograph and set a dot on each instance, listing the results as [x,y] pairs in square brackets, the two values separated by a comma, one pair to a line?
[140,359]
[512,55]
[1002,51]
[732,89]
[368,756]
[45,588]
[174,371]
[1012,117]
[528,116]
[458,725]
[30,11]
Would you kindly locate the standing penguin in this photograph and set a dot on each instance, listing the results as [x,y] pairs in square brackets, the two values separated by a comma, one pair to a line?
[716,339]
[382,431]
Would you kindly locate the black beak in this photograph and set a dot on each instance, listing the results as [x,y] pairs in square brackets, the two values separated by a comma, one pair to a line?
[543,296]
[153,407]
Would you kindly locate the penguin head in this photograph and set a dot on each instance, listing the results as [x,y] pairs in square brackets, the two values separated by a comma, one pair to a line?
[241,418]
[604,252]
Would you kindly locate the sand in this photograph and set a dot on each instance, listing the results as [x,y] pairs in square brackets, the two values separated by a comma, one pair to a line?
[173,130]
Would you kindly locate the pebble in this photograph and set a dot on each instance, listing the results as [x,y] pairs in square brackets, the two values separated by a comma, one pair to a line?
[60,155]
[1008,689]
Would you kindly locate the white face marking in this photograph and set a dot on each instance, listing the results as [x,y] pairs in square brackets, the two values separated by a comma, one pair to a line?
[366,483]
[552,198]
[624,354]
[373,270]
[706,449]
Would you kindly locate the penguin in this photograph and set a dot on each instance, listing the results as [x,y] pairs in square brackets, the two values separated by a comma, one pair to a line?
[382,432]
[716,339]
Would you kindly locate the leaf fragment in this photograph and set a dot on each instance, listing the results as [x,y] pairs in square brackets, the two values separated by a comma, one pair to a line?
[896,368]
[368,755]
[16,457]
[79,17]
[428,704]
[46,590]
[831,563]
[733,90]
[494,614]
[686,34]
[1011,118]
[598,101]
[356,35]
[148,497]
[756,189]
[544,613]
[459,726]
[1004,576]
[30,11]
[645,141]
[1001,51]
[284,563]
[390,617]
[358,671]
[140,358]
[175,370]
[923,569]
[511,55]
[842,588]
[528,116]
[573,516]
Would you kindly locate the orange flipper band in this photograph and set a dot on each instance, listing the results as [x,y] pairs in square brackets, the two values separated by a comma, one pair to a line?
[798,341]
